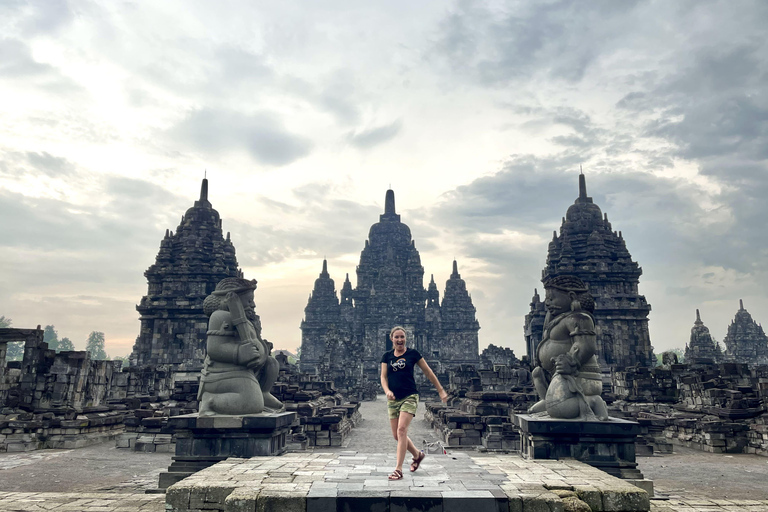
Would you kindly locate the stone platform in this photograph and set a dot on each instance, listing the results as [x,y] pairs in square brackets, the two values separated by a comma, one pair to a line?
[201,442]
[606,445]
[347,481]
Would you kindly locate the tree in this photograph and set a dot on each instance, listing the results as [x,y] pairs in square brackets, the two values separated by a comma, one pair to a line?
[65,344]
[15,351]
[95,345]
[51,337]
[124,359]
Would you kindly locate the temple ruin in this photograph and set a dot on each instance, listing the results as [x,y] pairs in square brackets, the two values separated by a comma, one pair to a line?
[701,348]
[189,264]
[587,247]
[746,341]
[389,292]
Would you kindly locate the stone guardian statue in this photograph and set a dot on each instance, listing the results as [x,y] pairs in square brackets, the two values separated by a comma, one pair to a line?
[567,378]
[239,370]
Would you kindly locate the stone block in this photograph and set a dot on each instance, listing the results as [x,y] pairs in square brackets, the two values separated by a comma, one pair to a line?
[355,501]
[274,501]
[177,498]
[401,501]
[621,499]
[241,500]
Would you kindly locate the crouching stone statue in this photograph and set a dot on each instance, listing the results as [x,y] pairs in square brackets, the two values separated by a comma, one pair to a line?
[239,370]
[568,379]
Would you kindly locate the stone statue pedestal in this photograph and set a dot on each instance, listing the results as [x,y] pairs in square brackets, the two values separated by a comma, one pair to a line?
[606,445]
[202,442]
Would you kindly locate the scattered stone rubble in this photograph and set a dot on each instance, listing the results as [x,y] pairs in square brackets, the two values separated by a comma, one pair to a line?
[479,414]
[716,408]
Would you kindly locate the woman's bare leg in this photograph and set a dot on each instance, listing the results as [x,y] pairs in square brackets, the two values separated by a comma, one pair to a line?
[403,441]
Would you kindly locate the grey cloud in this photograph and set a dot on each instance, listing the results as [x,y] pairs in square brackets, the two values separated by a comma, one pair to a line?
[16,60]
[262,135]
[370,137]
[493,46]
[50,165]
[330,228]
[128,219]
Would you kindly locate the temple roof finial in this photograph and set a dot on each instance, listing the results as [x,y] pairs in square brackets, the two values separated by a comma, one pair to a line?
[698,317]
[455,268]
[325,267]
[389,203]
[582,186]
[741,305]
[204,190]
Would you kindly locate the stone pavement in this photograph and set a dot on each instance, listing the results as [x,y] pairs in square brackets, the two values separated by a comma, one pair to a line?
[351,481]
[81,502]
[115,480]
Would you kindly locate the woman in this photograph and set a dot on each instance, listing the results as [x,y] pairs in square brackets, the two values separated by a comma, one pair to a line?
[402,395]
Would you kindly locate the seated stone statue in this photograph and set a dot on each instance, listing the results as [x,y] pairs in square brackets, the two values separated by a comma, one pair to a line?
[668,358]
[568,379]
[239,371]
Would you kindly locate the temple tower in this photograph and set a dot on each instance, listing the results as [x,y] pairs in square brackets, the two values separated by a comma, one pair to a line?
[701,348]
[534,323]
[322,317]
[746,341]
[390,291]
[188,266]
[588,248]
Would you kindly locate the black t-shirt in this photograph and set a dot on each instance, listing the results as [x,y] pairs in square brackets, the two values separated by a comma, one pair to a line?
[400,372]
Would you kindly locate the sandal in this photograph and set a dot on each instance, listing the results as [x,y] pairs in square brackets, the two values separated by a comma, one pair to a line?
[396,475]
[417,461]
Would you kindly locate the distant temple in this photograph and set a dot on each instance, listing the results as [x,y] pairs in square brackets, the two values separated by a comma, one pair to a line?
[588,248]
[390,291]
[701,348]
[189,264]
[746,341]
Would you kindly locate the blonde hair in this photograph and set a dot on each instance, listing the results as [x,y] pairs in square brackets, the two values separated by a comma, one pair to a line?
[397,328]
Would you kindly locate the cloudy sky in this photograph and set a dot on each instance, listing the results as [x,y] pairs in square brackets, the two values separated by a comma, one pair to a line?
[478,114]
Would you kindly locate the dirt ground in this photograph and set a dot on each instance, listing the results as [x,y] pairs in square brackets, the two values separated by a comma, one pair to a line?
[102,467]
[690,472]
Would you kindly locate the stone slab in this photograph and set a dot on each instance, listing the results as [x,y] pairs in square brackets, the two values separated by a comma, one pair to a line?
[333,482]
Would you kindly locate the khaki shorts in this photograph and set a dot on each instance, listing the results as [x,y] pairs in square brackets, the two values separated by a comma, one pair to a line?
[407,404]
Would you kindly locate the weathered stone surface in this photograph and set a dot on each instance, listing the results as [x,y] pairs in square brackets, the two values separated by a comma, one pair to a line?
[588,248]
[190,263]
[349,481]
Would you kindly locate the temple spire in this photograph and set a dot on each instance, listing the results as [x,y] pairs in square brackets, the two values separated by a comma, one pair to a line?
[455,269]
[582,187]
[203,201]
[325,268]
[741,305]
[698,318]
[389,203]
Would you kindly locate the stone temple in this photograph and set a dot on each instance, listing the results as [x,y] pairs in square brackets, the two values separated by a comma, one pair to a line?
[390,291]
[746,341]
[588,248]
[702,349]
[189,264]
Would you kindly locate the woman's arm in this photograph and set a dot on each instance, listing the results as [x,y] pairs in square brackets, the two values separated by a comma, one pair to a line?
[384,383]
[422,363]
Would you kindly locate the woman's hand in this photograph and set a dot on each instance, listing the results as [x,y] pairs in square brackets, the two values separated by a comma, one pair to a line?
[443,395]
[390,395]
